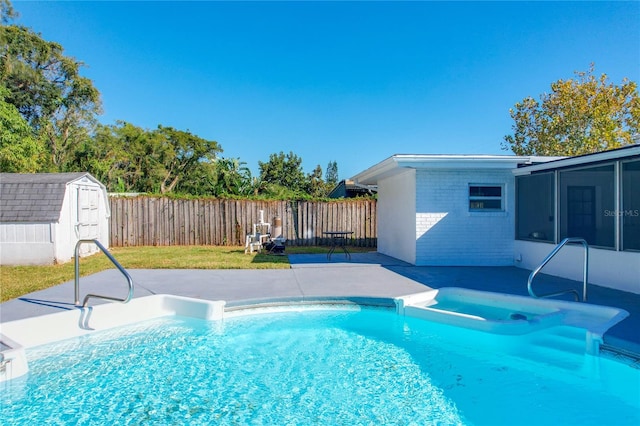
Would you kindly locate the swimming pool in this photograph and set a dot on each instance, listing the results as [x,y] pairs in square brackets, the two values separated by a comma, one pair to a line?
[320,364]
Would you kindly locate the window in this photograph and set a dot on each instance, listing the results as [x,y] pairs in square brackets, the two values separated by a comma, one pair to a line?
[486,198]
[630,212]
[587,205]
[535,207]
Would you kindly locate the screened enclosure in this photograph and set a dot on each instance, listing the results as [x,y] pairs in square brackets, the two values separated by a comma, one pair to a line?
[599,203]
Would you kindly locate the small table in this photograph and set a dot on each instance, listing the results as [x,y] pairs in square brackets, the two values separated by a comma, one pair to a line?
[338,238]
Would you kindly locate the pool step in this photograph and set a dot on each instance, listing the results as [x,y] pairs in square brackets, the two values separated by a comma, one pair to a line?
[485,311]
[13,361]
[563,339]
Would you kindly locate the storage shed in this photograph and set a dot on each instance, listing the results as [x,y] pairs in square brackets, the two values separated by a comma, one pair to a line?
[43,215]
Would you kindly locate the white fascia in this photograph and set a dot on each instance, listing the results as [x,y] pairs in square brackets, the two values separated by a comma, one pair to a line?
[399,163]
[616,154]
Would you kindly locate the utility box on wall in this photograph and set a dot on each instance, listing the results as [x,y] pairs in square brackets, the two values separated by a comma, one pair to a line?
[43,215]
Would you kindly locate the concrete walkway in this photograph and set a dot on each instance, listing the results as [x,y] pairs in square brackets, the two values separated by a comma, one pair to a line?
[366,275]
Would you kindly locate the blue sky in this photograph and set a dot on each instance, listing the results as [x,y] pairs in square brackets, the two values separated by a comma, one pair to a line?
[352,82]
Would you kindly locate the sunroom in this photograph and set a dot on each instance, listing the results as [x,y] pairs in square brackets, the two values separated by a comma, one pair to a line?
[595,197]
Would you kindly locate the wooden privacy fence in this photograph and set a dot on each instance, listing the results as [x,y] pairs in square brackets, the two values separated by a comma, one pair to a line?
[152,221]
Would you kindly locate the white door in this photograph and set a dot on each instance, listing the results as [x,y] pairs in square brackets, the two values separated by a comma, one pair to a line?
[87,216]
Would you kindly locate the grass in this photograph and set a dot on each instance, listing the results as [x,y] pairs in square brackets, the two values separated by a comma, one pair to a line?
[16,281]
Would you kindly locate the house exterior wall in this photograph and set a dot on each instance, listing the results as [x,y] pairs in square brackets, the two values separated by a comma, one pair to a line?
[396,216]
[607,268]
[26,244]
[448,234]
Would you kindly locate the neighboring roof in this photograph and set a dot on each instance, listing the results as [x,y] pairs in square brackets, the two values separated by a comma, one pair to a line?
[401,162]
[348,188]
[35,197]
[598,157]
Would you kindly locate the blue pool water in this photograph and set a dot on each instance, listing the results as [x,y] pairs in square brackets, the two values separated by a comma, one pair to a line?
[320,366]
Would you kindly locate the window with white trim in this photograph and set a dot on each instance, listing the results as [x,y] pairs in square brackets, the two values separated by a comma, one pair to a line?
[486,198]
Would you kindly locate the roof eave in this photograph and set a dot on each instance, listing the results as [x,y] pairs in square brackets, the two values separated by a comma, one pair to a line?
[381,170]
[399,163]
[598,157]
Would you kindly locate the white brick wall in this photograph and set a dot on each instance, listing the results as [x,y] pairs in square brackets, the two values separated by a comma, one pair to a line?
[448,234]
[396,212]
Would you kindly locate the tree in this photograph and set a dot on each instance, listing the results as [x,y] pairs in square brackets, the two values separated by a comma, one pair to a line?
[128,158]
[285,171]
[331,177]
[122,156]
[180,153]
[316,187]
[202,180]
[579,116]
[47,89]
[233,177]
[20,152]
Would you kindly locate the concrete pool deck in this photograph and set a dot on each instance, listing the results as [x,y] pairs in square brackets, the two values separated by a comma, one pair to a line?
[366,275]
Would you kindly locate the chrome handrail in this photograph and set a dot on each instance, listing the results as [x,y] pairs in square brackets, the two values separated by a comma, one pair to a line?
[97,296]
[585,272]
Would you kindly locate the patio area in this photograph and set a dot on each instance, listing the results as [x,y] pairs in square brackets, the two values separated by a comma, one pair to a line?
[366,275]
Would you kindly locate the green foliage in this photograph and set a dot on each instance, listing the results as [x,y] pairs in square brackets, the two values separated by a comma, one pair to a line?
[132,159]
[273,191]
[233,177]
[579,116]
[282,178]
[46,88]
[283,170]
[200,182]
[224,177]
[331,177]
[316,187]
[114,156]
[20,152]
[180,152]
[127,158]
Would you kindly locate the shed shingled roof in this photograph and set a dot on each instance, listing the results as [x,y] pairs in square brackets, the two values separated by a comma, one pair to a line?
[33,197]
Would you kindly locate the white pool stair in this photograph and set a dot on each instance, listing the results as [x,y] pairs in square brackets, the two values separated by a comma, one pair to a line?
[509,314]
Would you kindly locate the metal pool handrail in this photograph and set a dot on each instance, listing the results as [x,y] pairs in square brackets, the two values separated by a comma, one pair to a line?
[97,296]
[585,273]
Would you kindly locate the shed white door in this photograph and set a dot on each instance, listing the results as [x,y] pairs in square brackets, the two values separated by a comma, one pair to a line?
[87,215]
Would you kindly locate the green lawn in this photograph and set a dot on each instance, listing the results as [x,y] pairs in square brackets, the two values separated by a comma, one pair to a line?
[16,281]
